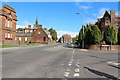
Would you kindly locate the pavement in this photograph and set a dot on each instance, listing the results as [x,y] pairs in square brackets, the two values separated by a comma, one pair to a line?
[58,61]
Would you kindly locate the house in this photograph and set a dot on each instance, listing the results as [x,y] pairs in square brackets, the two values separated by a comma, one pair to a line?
[35,34]
[8,24]
[65,39]
[108,19]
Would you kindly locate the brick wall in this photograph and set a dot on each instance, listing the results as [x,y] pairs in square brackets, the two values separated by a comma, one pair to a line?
[97,47]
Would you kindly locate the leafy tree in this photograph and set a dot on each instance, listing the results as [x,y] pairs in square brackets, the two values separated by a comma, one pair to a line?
[45,28]
[75,39]
[110,35]
[96,35]
[53,33]
[119,36]
[20,29]
[88,35]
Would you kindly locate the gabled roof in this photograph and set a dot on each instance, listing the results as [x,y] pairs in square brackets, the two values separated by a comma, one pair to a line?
[48,33]
[106,13]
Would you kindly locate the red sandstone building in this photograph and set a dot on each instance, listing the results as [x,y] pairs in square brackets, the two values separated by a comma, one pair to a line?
[8,24]
[108,19]
[65,39]
[35,34]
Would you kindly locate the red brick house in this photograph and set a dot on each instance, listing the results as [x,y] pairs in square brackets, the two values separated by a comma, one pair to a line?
[8,24]
[35,34]
[65,39]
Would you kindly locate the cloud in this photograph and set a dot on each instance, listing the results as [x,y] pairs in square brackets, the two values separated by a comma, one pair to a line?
[19,26]
[26,22]
[82,6]
[85,7]
[60,33]
[102,11]
[90,20]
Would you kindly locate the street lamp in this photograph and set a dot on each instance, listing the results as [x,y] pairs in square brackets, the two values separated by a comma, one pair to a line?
[111,38]
[83,29]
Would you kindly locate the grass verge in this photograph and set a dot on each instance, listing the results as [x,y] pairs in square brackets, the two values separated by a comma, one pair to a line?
[4,46]
[30,44]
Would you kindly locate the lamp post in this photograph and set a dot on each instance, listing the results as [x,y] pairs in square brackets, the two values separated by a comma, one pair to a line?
[83,29]
[111,37]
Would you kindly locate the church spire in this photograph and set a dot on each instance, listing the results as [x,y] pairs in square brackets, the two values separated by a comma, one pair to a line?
[36,23]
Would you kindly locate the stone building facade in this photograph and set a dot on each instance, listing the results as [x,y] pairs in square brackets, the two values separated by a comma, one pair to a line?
[35,34]
[65,39]
[8,24]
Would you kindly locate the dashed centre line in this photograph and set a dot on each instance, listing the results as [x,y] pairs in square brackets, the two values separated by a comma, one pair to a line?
[66,74]
[77,70]
[76,75]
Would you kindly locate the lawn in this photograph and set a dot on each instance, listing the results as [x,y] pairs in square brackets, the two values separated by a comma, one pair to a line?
[30,44]
[4,46]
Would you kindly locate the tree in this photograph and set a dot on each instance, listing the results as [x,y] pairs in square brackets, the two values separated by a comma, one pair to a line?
[20,29]
[75,39]
[119,36]
[110,35]
[96,35]
[53,33]
[88,35]
[45,28]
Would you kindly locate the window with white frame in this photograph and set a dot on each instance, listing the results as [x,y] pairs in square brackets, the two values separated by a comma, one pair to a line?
[30,31]
[107,23]
[9,35]
[26,38]
[8,23]
[117,24]
[106,18]
[19,38]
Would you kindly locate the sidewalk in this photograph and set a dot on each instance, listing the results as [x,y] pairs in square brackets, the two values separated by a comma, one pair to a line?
[21,47]
[24,46]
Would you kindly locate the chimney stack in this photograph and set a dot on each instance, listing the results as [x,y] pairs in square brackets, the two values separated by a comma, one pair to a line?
[112,13]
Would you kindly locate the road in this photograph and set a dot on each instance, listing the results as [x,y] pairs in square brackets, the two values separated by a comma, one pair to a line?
[58,61]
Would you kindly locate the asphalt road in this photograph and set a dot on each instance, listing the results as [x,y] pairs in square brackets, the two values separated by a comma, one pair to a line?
[58,61]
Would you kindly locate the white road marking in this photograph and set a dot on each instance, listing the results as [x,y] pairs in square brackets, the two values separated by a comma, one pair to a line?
[66,74]
[116,64]
[113,63]
[77,65]
[77,70]
[69,64]
[76,75]
[73,51]
[68,70]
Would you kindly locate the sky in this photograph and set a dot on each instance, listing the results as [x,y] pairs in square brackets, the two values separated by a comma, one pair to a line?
[60,15]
